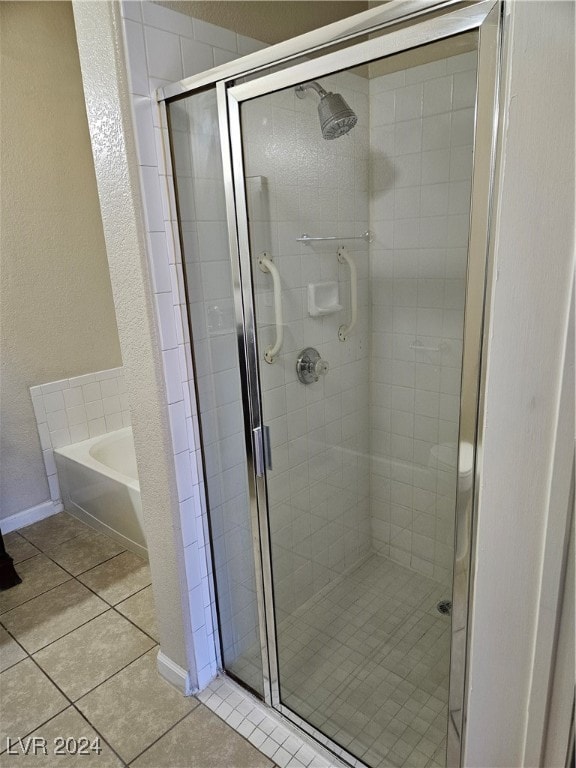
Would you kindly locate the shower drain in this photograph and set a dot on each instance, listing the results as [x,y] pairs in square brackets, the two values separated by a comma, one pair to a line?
[444,607]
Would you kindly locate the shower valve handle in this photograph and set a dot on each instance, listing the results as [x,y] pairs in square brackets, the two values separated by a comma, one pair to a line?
[310,366]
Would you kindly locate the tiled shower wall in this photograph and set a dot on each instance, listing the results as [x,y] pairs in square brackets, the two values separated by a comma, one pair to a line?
[422,123]
[300,183]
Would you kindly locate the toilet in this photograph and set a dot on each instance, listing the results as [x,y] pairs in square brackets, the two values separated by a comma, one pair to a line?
[446,457]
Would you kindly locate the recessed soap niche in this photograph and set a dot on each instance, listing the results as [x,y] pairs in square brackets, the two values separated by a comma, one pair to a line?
[323,299]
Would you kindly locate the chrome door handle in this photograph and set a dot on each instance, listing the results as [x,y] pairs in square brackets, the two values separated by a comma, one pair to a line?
[262,450]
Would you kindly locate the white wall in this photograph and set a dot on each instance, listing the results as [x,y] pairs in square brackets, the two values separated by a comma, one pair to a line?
[422,126]
[534,268]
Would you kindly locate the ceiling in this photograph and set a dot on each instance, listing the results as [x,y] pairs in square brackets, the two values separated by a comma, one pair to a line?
[272,21]
[269,21]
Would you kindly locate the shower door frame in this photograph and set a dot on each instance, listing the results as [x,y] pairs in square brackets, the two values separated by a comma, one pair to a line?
[432,21]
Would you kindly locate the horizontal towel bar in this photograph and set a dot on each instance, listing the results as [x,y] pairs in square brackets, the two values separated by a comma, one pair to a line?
[306,239]
[421,348]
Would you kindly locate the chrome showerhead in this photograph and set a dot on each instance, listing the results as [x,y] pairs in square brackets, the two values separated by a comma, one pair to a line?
[336,117]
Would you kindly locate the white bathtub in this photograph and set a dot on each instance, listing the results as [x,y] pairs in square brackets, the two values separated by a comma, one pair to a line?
[99,483]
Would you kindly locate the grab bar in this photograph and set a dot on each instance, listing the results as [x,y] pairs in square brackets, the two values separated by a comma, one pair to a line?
[267,265]
[343,258]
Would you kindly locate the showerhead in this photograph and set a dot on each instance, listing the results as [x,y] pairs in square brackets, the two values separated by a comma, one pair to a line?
[336,117]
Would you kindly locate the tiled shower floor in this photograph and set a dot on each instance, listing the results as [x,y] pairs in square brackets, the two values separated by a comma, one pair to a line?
[366,661]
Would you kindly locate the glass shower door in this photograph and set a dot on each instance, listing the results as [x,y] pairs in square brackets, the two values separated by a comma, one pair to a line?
[198,174]
[357,191]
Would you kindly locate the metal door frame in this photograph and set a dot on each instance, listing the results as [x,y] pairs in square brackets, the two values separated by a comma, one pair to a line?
[432,21]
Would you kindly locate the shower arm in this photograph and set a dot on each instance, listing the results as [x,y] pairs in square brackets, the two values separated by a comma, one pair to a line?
[301,89]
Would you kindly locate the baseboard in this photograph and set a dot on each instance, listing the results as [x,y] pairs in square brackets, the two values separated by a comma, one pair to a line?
[29,516]
[174,674]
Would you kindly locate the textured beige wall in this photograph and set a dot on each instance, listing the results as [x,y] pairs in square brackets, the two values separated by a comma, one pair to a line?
[57,315]
[270,21]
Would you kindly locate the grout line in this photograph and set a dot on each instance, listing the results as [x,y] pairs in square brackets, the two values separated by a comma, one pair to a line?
[70,577]
[83,624]
[167,731]
[18,644]
[68,699]
[109,607]
[123,552]
[20,531]
[124,599]
[91,724]
[81,573]
[157,642]
[75,701]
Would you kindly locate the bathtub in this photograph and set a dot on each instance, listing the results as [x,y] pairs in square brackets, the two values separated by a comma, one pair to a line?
[99,483]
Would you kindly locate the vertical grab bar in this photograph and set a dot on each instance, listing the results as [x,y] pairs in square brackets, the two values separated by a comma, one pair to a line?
[267,265]
[343,258]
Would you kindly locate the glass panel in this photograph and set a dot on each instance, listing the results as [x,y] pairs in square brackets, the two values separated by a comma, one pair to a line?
[197,164]
[361,497]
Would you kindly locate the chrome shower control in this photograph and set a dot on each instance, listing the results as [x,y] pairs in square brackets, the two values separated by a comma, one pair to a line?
[310,366]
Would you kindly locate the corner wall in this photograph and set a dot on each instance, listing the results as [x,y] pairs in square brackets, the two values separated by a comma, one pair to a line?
[99,33]
[57,314]
[533,273]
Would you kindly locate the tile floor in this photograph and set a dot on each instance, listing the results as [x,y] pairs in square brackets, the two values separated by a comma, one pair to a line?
[78,647]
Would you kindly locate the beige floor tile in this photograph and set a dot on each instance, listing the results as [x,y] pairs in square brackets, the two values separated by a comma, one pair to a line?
[84,551]
[135,707]
[38,574]
[89,655]
[18,548]
[140,610]
[53,530]
[68,724]
[55,613]
[202,740]
[118,578]
[10,652]
[28,700]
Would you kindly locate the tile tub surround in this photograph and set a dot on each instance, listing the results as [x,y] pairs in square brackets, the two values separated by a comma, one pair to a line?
[71,410]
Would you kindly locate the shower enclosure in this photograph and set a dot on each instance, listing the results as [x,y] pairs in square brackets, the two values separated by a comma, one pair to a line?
[333,196]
